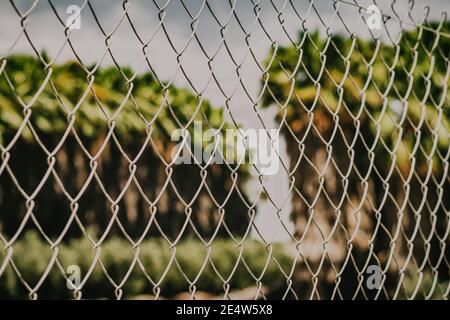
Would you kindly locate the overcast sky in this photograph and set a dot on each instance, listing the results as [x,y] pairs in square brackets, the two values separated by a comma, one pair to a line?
[47,33]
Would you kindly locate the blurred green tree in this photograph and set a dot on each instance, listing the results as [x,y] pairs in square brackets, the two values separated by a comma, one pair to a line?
[93,101]
[367,129]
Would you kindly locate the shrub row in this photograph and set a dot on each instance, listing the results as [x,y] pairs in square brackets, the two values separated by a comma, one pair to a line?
[32,256]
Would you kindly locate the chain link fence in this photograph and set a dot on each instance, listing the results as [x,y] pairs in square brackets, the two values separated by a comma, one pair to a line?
[272,149]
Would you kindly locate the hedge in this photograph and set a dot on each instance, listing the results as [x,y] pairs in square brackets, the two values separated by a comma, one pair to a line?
[32,255]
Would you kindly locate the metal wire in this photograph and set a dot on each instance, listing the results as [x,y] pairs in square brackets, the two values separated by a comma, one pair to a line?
[331,237]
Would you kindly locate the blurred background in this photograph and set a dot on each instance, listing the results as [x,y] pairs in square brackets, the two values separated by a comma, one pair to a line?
[364,121]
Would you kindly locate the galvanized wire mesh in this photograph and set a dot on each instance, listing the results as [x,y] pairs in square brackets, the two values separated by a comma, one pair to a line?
[364,116]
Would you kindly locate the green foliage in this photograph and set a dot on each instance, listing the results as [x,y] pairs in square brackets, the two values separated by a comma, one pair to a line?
[398,72]
[388,105]
[32,255]
[421,285]
[109,90]
[96,103]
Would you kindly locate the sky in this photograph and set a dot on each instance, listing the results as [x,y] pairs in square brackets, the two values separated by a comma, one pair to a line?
[277,18]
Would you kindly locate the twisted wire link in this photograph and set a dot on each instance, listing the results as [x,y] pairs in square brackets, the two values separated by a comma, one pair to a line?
[330,191]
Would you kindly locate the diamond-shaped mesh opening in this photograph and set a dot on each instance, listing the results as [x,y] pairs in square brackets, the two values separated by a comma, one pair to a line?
[129,166]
